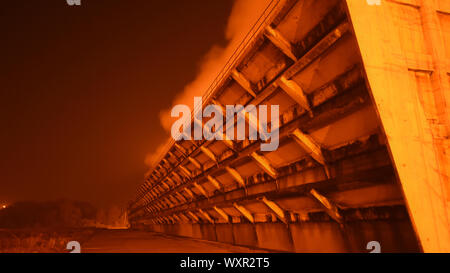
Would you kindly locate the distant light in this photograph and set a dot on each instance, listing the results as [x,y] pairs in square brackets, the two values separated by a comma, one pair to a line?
[4,206]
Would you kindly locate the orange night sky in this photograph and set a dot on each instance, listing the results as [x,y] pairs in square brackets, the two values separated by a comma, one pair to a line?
[82,89]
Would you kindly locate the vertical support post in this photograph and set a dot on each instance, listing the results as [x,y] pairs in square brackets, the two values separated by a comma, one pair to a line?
[416,143]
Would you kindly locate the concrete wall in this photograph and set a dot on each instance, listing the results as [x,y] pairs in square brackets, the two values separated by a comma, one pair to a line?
[305,237]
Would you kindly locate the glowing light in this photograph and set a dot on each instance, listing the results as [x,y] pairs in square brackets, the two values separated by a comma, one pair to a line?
[4,206]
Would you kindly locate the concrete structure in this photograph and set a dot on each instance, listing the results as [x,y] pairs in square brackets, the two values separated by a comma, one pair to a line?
[364,136]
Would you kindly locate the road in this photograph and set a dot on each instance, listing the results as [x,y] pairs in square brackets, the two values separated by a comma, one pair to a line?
[125,241]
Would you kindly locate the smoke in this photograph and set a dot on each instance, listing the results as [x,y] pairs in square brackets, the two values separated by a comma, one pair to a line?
[244,15]
[151,158]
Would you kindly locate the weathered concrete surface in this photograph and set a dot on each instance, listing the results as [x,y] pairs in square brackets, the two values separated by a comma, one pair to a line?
[404,46]
[312,237]
[363,93]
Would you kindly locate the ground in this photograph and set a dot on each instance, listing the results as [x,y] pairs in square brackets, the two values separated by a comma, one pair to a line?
[127,241]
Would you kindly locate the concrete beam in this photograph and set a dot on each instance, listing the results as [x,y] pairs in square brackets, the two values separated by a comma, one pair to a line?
[171,181]
[177,218]
[182,215]
[222,213]
[194,217]
[180,148]
[174,199]
[207,216]
[245,212]
[295,92]
[175,173]
[157,190]
[171,154]
[169,202]
[235,174]
[201,189]
[166,162]
[195,162]
[320,48]
[279,212]
[215,182]
[159,205]
[165,185]
[152,208]
[227,141]
[171,219]
[185,170]
[311,147]
[280,42]
[209,153]
[153,194]
[330,207]
[191,194]
[160,189]
[242,81]
[181,196]
[265,164]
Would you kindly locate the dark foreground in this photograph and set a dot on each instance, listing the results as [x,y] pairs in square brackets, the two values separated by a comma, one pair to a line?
[127,241]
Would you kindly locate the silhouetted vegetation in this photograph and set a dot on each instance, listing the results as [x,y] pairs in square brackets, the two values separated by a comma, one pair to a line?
[41,241]
[57,214]
[48,226]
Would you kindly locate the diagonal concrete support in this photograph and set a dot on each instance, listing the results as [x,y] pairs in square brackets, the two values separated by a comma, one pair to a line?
[295,92]
[242,81]
[191,194]
[265,164]
[171,219]
[169,202]
[177,218]
[227,141]
[180,148]
[209,153]
[207,216]
[178,176]
[222,213]
[311,147]
[185,170]
[235,174]
[331,208]
[280,42]
[182,215]
[176,200]
[165,161]
[194,217]
[165,185]
[195,162]
[171,181]
[215,182]
[245,212]
[181,196]
[279,212]
[201,189]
